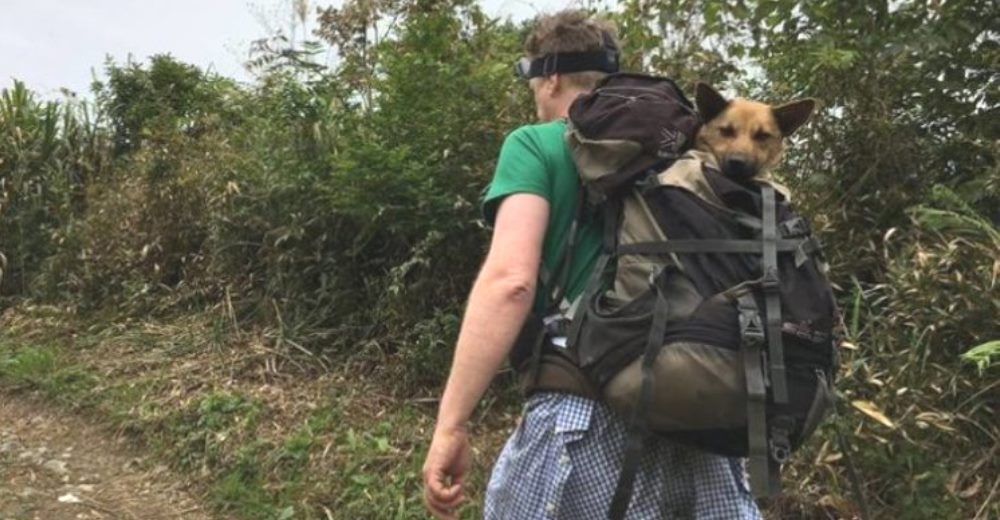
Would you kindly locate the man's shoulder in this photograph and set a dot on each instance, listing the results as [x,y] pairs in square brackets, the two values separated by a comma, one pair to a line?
[540,133]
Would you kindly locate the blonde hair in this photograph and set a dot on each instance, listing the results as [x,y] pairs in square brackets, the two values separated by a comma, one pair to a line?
[571,31]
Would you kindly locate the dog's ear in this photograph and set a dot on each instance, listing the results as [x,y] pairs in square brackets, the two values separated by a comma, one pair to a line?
[709,102]
[791,116]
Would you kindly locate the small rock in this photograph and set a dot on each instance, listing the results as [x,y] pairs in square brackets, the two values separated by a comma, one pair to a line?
[56,466]
[89,478]
[69,498]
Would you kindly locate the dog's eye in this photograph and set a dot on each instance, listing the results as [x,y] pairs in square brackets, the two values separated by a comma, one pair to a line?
[762,136]
[728,131]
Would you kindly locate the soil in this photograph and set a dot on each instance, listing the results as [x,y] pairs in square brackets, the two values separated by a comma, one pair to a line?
[55,465]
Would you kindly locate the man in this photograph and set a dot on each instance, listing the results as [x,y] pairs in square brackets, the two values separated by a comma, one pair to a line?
[563,459]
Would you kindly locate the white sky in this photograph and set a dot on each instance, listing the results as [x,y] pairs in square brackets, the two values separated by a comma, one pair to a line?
[50,44]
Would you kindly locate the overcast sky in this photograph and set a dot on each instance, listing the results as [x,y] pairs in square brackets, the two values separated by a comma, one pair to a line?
[50,44]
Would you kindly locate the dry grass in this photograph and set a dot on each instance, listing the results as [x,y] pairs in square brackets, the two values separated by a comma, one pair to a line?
[265,432]
[333,443]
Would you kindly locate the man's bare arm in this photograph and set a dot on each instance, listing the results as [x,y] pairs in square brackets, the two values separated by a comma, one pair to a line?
[498,304]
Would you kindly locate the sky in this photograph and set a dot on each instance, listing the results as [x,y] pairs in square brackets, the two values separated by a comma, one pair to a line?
[54,44]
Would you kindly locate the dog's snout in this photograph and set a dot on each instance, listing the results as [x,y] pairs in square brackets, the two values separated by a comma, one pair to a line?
[739,167]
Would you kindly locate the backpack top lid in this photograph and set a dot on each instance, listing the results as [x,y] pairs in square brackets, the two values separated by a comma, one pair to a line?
[627,125]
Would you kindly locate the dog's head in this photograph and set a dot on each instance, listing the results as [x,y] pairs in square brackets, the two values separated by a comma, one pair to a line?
[746,137]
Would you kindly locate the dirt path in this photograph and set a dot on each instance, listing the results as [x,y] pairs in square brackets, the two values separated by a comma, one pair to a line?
[56,466]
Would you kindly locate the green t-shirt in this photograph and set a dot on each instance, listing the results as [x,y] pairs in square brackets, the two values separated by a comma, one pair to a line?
[535,159]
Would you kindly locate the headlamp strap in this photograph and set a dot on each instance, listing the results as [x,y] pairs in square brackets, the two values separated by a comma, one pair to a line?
[604,60]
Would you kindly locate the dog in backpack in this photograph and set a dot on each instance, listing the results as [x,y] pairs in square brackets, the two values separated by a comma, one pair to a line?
[711,267]
[746,137]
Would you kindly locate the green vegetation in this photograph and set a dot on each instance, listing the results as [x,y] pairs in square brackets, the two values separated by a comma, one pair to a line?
[263,282]
[37,367]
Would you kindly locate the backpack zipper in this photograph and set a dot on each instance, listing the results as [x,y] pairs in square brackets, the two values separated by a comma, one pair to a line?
[658,97]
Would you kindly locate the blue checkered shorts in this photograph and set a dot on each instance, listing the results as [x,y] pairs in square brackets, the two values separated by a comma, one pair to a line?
[563,461]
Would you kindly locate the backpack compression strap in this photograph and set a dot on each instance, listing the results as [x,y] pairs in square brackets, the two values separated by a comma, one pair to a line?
[752,339]
[804,246]
[772,304]
[638,429]
[768,445]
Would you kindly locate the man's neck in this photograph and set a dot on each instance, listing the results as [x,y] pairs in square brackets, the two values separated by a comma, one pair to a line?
[567,99]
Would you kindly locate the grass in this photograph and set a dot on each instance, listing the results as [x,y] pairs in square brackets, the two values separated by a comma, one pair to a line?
[260,444]
[347,443]
[39,368]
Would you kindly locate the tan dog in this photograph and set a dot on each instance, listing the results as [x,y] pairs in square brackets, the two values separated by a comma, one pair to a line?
[746,137]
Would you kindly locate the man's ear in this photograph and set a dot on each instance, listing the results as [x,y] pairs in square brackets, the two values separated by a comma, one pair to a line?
[791,116]
[553,83]
[709,102]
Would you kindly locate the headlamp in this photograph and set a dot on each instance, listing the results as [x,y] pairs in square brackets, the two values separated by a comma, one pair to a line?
[604,60]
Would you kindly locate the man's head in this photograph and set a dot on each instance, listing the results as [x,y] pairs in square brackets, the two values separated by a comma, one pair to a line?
[558,35]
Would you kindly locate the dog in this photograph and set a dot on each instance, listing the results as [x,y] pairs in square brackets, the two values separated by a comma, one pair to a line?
[746,137]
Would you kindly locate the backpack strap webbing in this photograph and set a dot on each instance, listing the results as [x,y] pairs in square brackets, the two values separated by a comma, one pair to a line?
[751,343]
[555,282]
[612,213]
[718,245]
[638,429]
[772,302]
[556,292]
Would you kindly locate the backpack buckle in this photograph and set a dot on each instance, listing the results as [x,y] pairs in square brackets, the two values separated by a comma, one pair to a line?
[794,228]
[769,282]
[781,448]
[751,325]
[779,443]
[556,325]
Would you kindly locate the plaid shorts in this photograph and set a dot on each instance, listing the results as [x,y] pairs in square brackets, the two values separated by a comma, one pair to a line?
[563,461]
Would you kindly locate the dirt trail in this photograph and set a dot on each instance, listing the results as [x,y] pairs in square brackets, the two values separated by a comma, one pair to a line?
[56,466]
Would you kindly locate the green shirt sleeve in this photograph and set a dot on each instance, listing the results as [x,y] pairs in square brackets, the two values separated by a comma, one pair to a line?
[521,168]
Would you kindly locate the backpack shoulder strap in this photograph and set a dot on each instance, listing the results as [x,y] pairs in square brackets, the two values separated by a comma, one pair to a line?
[610,211]
[554,283]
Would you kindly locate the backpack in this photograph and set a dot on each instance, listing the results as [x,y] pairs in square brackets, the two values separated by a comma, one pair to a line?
[708,318]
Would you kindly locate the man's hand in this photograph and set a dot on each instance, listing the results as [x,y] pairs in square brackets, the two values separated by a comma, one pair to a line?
[447,465]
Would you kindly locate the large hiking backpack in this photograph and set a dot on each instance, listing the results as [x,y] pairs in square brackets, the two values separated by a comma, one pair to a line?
[708,318]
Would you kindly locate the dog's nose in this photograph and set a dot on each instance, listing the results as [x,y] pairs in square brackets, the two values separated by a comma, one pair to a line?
[738,167]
